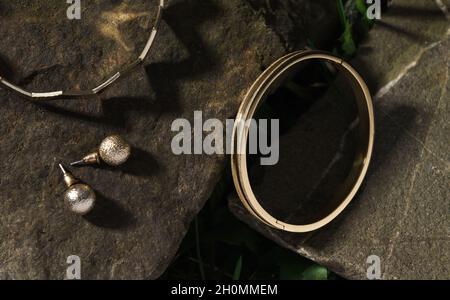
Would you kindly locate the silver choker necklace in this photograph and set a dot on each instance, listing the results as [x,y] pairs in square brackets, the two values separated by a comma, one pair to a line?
[91,92]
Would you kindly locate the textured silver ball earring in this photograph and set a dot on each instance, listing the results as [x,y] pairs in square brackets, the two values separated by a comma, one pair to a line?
[113,150]
[79,196]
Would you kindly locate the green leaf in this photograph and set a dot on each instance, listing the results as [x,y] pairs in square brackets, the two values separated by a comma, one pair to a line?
[238,269]
[342,15]
[295,267]
[348,43]
[292,271]
[361,7]
[315,272]
[292,265]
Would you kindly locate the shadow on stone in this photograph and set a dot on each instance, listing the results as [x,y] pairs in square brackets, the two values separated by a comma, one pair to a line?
[183,18]
[288,18]
[115,109]
[60,109]
[5,10]
[6,69]
[141,164]
[109,214]
[413,36]
[317,145]
[415,12]
[388,134]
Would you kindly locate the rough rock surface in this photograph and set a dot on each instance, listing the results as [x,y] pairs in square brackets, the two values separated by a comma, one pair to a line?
[301,23]
[402,212]
[206,55]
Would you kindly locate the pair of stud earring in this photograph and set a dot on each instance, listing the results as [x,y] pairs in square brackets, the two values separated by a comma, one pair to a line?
[80,197]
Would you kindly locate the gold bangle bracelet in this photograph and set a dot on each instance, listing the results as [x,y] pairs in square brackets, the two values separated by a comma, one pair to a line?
[96,90]
[262,87]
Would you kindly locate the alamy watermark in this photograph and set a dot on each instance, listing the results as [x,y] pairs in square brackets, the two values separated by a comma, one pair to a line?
[373,9]
[212,137]
[74,10]
[374,269]
[73,271]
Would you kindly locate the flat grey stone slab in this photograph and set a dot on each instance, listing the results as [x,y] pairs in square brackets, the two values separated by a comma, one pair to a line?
[205,57]
[402,212]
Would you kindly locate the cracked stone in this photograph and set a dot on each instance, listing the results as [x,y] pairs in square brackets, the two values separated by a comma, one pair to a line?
[206,55]
[401,213]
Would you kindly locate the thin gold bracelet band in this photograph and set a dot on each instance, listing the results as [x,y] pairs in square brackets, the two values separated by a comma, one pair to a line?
[92,92]
[262,87]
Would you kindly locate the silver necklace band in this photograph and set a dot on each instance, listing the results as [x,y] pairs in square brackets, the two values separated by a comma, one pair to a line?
[92,92]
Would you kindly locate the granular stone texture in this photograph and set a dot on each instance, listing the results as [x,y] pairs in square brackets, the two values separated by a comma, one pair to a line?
[401,213]
[206,55]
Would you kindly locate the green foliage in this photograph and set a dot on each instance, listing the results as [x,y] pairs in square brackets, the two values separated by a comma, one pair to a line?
[238,269]
[316,272]
[355,25]
[361,7]
[348,44]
